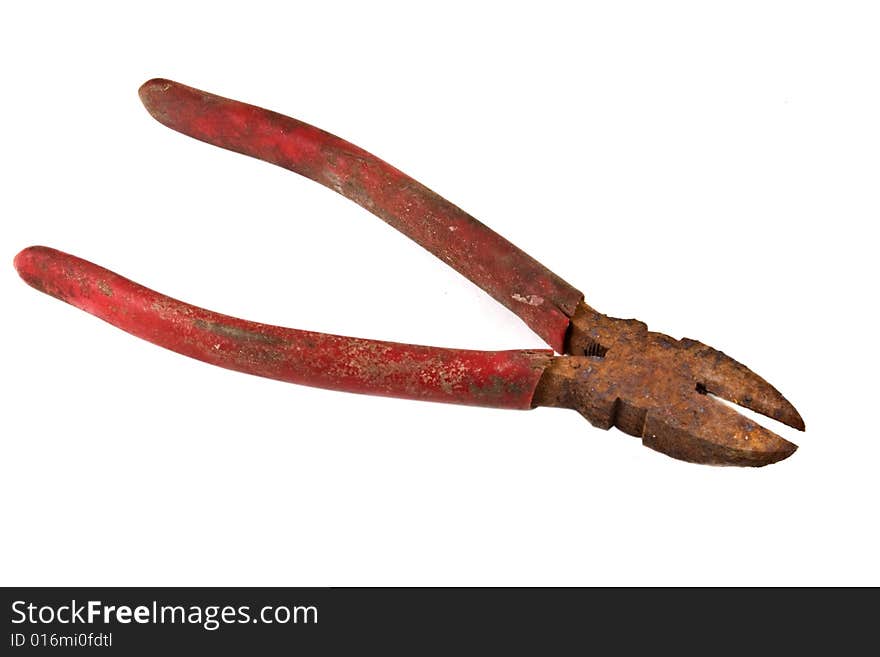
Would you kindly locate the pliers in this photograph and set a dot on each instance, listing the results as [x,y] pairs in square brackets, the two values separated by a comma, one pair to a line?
[615,372]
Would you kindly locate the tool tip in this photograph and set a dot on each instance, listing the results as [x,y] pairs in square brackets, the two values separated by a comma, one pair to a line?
[765,399]
[781,451]
[793,418]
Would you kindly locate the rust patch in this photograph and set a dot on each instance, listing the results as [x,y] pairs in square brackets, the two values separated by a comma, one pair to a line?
[39,285]
[497,386]
[235,333]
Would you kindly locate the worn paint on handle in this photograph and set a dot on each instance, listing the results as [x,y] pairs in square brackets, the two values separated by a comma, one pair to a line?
[542,299]
[503,379]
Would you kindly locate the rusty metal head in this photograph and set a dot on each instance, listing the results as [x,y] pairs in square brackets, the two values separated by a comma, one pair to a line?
[652,386]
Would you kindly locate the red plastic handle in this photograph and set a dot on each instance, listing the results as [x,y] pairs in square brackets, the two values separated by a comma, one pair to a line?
[538,296]
[502,379]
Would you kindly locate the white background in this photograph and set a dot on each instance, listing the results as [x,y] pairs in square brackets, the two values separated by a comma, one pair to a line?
[711,168]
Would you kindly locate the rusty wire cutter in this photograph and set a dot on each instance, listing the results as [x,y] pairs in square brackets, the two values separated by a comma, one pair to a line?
[615,372]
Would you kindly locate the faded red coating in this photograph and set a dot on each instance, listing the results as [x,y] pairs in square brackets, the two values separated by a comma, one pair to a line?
[502,379]
[542,299]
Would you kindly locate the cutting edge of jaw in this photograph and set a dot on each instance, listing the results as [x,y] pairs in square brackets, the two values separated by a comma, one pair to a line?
[660,389]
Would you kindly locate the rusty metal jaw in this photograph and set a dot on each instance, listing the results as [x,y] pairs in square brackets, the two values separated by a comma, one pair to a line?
[662,390]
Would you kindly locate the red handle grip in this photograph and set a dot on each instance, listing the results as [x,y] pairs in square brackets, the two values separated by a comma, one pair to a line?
[539,297]
[503,379]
